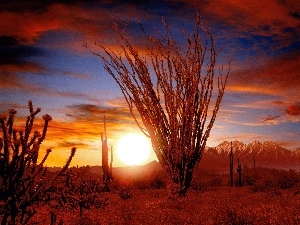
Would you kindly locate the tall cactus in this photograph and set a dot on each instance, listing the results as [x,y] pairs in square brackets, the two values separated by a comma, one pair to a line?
[231,166]
[239,171]
[107,169]
[111,161]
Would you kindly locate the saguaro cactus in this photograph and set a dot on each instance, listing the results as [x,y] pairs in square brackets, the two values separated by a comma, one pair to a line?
[111,161]
[231,166]
[107,169]
[239,171]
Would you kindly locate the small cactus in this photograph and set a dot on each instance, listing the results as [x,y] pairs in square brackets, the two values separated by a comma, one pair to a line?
[239,171]
[231,166]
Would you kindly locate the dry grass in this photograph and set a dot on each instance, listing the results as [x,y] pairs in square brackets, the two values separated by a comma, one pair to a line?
[222,205]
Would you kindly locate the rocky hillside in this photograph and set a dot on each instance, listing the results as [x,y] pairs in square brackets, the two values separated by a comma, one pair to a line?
[266,154]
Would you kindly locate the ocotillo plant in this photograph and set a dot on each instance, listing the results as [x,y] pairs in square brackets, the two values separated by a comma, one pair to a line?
[23,181]
[168,91]
[107,169]
[239,171]
[231,166]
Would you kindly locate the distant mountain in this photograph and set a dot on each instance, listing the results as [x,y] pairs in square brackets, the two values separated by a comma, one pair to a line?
[130,171]
[264,154]
[296,152]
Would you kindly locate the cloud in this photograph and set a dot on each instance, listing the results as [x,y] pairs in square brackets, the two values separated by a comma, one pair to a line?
[13,52]
[27,27]
[289,113]
[90,112]
[265,18]
[293,110]
[13,60]
[270,120]
[92,22]
[277,76]
[76,75]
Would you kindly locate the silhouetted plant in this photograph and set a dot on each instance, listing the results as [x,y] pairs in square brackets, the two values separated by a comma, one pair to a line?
[124,190]
[231,166]
[174,111]
[239,171]
[232,216]
[24,184]
[107,168]
[82,191]
[269,180]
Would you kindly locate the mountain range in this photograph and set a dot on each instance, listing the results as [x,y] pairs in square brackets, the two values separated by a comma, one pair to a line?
[259,154]
[262,154]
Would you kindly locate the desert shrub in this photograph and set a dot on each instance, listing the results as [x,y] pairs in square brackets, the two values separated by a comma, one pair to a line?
[125,193]
[249,176]
[153,180]
[158,181]
[205,179]
[85,220]
[123,188]
[215,181]
[265,179]
[80,190]
[288,179]
[230,215]
[198,186]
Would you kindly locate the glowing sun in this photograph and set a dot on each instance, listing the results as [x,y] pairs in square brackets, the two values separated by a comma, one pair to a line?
[133,149]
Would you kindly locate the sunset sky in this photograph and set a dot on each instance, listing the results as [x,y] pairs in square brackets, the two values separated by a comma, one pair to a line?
[43,59]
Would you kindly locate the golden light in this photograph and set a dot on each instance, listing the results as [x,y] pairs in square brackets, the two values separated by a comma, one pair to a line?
[133,149]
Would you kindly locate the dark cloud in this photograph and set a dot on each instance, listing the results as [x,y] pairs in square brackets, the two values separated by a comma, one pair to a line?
[269,119]
[6,41]
[14,59]
[90,112]
[37,6]
[12,53]
[70,144]
[293,110]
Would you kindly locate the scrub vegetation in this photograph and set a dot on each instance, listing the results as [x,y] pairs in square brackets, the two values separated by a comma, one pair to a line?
[269,196]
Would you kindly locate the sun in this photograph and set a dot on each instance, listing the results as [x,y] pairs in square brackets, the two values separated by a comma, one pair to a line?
[133,149]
